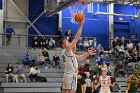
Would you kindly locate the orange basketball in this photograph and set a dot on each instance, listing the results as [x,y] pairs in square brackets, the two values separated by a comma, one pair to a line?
[79,17]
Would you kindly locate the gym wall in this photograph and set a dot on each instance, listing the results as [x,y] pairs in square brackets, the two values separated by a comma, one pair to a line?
[15,12]
[45,25]
[128,24]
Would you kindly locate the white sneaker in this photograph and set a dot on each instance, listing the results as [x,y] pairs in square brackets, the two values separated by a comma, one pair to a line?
[119,91]
[46,67]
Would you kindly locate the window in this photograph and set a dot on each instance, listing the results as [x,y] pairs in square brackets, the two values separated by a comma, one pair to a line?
[90,8]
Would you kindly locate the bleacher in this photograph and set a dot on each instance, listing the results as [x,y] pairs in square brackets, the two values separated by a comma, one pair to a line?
[53,75]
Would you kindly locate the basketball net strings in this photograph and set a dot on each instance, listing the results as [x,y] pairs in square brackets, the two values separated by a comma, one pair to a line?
[75,9]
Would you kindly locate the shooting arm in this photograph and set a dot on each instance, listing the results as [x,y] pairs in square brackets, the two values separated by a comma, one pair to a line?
[109,82]
[77,36]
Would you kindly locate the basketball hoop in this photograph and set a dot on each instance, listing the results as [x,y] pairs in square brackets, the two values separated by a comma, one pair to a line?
[77,8]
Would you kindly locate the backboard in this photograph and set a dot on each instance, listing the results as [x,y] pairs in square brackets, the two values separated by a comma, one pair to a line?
[54,6]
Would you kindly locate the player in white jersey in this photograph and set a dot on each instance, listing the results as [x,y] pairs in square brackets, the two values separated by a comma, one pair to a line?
[104,82]
[70,61]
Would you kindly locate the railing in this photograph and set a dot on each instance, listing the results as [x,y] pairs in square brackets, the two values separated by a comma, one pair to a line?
[21,40]
[25,40]
[135,41]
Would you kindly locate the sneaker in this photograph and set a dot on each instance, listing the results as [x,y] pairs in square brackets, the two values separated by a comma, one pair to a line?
[46,67]
[119,91]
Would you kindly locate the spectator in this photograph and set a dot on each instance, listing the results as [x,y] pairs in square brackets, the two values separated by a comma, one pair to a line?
[51,43]
[138,50]
[35,43]
[115,43]
[133,37]
[41,60]
[98,69]
[94,43]
[28,60]
[121,51]
[127,56]
[100,50]
[129,45]
[43,42]
[9,72]
[95,83]
[59,33]
[82,70]
[34,70]
[133,82]
[81,84]
[46,55]
[56,60]
[19,73]
[69,35]
[134,54]
[9,31]
[111,68]
[90,42]
[80,44]
[120,69]
[107,59]
[114,84]
[89,84]
[100,59]
[87,65]
[86,44]
[103,65]
[122,42]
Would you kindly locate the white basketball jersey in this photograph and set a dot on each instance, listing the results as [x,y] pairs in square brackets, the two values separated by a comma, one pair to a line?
[70,62]
[103,88]
[104,80]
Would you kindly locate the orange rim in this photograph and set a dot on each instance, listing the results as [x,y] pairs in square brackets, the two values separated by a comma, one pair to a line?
[84,2]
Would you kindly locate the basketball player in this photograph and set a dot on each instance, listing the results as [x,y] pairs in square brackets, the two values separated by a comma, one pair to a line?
[133,82]
[105,82]
[70,61]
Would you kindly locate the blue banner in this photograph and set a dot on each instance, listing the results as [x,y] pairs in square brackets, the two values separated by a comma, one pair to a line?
[1,4]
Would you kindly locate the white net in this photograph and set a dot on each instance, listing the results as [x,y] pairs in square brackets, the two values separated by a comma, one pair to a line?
[75,9]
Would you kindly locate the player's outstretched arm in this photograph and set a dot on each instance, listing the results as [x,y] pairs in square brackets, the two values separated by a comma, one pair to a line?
[99,83]
[78,35]
[109,82]
[91,51]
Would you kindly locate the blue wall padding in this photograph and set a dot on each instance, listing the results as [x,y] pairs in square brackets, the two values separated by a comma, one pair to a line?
[137,28]
[1,4]
[133,25]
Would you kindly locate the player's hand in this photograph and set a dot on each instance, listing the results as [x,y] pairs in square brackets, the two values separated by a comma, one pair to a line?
[81,23]
[96,87]
[137,81]
[91,51]
[92,91]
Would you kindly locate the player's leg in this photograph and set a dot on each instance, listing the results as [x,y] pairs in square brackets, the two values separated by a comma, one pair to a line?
[68,91]
[64,91]
[69,84]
